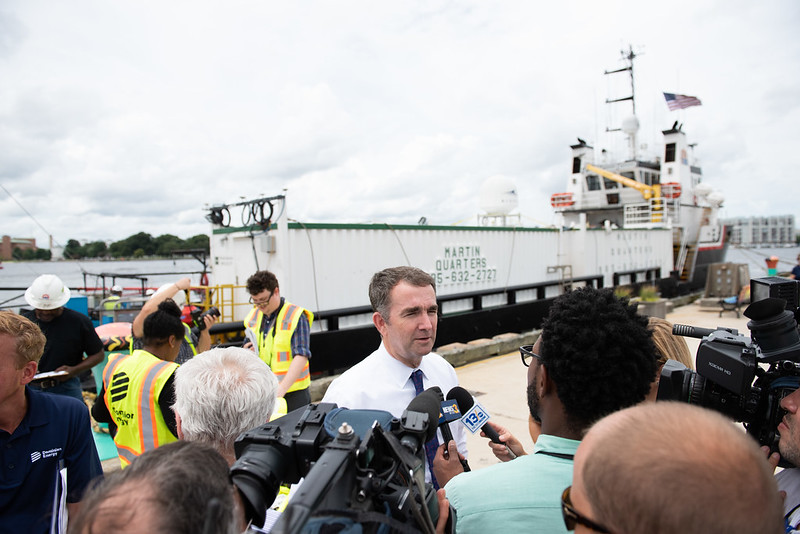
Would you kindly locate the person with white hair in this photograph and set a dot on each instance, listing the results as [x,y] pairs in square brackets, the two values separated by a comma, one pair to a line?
[222,394]
[193,344]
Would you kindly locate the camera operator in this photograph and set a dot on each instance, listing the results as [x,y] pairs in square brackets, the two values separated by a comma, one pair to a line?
[670,468]
[595,356]
[789,446]
[192,344]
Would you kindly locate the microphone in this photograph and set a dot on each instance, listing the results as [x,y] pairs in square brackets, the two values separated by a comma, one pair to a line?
[466,403]
[446,414]
[419,420]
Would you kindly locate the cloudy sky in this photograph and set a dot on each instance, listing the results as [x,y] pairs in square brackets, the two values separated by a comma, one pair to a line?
[118,117]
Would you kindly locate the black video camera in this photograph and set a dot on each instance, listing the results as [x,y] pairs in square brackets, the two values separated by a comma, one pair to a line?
[197,318]
[741,377]
[359,466]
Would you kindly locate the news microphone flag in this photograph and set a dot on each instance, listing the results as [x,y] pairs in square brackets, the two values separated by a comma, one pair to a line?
[475,418]
[448,412]
[681,101]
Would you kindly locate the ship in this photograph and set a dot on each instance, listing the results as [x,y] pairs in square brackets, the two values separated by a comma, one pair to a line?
[491,278]
[635,193]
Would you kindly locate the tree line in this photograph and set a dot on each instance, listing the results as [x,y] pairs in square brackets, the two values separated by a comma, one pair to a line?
[136,246]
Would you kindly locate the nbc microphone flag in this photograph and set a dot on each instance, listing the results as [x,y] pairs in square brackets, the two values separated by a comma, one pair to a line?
[681,101]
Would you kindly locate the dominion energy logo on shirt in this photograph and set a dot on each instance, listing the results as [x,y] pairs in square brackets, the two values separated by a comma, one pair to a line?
[38,455]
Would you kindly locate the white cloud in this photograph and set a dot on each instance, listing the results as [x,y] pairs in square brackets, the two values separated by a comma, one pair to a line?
[117,118]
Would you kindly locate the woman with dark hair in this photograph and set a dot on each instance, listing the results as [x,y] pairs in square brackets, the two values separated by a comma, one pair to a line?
[138,388]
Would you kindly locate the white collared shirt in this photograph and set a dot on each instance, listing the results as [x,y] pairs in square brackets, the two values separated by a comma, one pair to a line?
[381,382]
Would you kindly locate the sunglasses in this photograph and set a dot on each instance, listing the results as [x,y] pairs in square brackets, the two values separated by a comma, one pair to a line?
[572,517]
[526,353]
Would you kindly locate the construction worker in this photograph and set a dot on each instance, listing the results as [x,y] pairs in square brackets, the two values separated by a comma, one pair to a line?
[70,335]
[280,333]
[110,304]
[138,388]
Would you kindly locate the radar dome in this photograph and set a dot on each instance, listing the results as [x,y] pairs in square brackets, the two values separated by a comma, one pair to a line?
[498,195]
[716,199]
[702,189]
[630,125]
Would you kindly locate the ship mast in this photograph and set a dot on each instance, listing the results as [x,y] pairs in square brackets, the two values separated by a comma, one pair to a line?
[630,125]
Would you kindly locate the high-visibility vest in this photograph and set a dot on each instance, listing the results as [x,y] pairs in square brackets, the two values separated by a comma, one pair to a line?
[132,385]
[275,348]
[187,336]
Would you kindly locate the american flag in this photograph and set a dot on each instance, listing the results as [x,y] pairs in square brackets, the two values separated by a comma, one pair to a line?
[681,101]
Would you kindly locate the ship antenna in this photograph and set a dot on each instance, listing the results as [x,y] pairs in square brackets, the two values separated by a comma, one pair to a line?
[629,126]
[628,56]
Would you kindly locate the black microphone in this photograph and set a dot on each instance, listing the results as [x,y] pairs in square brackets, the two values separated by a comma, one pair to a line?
[444,426]
[419,420]
[465,404]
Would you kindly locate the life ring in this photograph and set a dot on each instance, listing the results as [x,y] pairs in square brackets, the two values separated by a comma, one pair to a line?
[561,200]
[671,190]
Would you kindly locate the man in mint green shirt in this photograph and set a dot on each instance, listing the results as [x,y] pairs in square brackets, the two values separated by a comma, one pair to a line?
[595,356]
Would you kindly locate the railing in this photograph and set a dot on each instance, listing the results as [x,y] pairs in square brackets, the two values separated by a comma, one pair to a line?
[653,213]
[463,317]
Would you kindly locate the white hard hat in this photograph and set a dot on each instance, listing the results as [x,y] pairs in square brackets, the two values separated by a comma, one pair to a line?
[47,292]
[116,290]
[179,297]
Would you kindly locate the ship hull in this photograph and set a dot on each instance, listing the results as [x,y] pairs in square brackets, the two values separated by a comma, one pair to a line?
[489,280]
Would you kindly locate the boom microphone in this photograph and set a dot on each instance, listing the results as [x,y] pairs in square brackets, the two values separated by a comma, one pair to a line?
[465,404]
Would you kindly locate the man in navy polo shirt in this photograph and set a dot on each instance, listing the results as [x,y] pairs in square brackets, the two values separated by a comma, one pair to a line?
[42,437]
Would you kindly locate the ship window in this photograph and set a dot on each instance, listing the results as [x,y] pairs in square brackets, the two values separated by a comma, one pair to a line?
[613,198]
[609,184]
[669,155]
[628,174]
[593,182]
[576,165]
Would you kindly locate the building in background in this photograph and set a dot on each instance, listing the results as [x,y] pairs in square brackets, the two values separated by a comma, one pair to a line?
[8,245]
[762,231]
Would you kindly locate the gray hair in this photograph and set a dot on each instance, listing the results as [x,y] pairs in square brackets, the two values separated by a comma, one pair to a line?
[384,281]
[221,393]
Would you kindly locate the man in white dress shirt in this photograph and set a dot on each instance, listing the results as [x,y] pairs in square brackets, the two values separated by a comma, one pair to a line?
[405,313]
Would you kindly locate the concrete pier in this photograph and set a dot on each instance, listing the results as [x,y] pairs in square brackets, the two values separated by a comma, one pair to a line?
[499,383]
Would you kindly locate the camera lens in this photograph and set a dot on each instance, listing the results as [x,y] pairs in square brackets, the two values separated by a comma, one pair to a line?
[258,474]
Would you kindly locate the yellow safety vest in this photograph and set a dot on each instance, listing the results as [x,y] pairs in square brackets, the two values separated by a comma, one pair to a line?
[132,385]
[275,348]
[187,336]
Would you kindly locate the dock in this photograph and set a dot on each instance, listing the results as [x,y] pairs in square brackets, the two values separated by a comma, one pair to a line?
[499,383]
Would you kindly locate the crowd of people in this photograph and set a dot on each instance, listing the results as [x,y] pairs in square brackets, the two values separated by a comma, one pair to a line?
[604,458]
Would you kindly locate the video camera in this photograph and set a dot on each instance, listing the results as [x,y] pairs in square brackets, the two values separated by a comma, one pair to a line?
[359,466]
[745,378]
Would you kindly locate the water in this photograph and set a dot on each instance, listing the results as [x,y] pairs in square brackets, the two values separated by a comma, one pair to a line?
[19,275]
[16,276]
[755,258]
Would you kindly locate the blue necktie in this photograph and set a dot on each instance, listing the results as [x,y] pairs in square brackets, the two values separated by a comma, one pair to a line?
[432,445]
